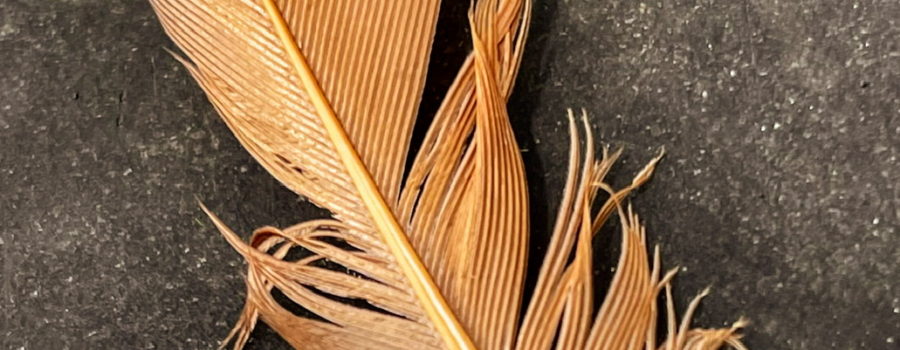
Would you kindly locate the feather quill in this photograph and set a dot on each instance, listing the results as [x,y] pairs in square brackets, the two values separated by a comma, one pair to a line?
[324,95]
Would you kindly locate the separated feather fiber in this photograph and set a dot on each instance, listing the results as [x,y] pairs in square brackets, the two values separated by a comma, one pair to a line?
[324,95]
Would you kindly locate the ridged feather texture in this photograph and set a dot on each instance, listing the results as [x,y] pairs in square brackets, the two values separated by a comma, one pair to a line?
[324,94]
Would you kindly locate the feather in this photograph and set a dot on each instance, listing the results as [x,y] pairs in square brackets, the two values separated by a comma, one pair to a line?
[324,95]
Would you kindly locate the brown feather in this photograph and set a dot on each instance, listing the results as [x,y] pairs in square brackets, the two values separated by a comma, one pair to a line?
[324,95]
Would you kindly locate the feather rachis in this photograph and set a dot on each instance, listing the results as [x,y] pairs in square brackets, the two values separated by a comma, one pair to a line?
[431,298]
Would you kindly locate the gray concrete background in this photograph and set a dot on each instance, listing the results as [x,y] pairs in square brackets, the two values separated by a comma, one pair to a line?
[779,189]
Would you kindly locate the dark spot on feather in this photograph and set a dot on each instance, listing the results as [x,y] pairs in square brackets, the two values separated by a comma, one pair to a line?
[293,307]
[339,243]
[356,302]
[282,159]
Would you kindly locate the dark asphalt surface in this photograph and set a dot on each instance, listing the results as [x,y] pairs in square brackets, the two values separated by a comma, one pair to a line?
[781,120]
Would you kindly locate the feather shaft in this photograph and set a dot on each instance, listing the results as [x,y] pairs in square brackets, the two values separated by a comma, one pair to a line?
[426,290]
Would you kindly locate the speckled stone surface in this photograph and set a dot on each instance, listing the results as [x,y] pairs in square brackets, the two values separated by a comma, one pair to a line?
[781,120]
